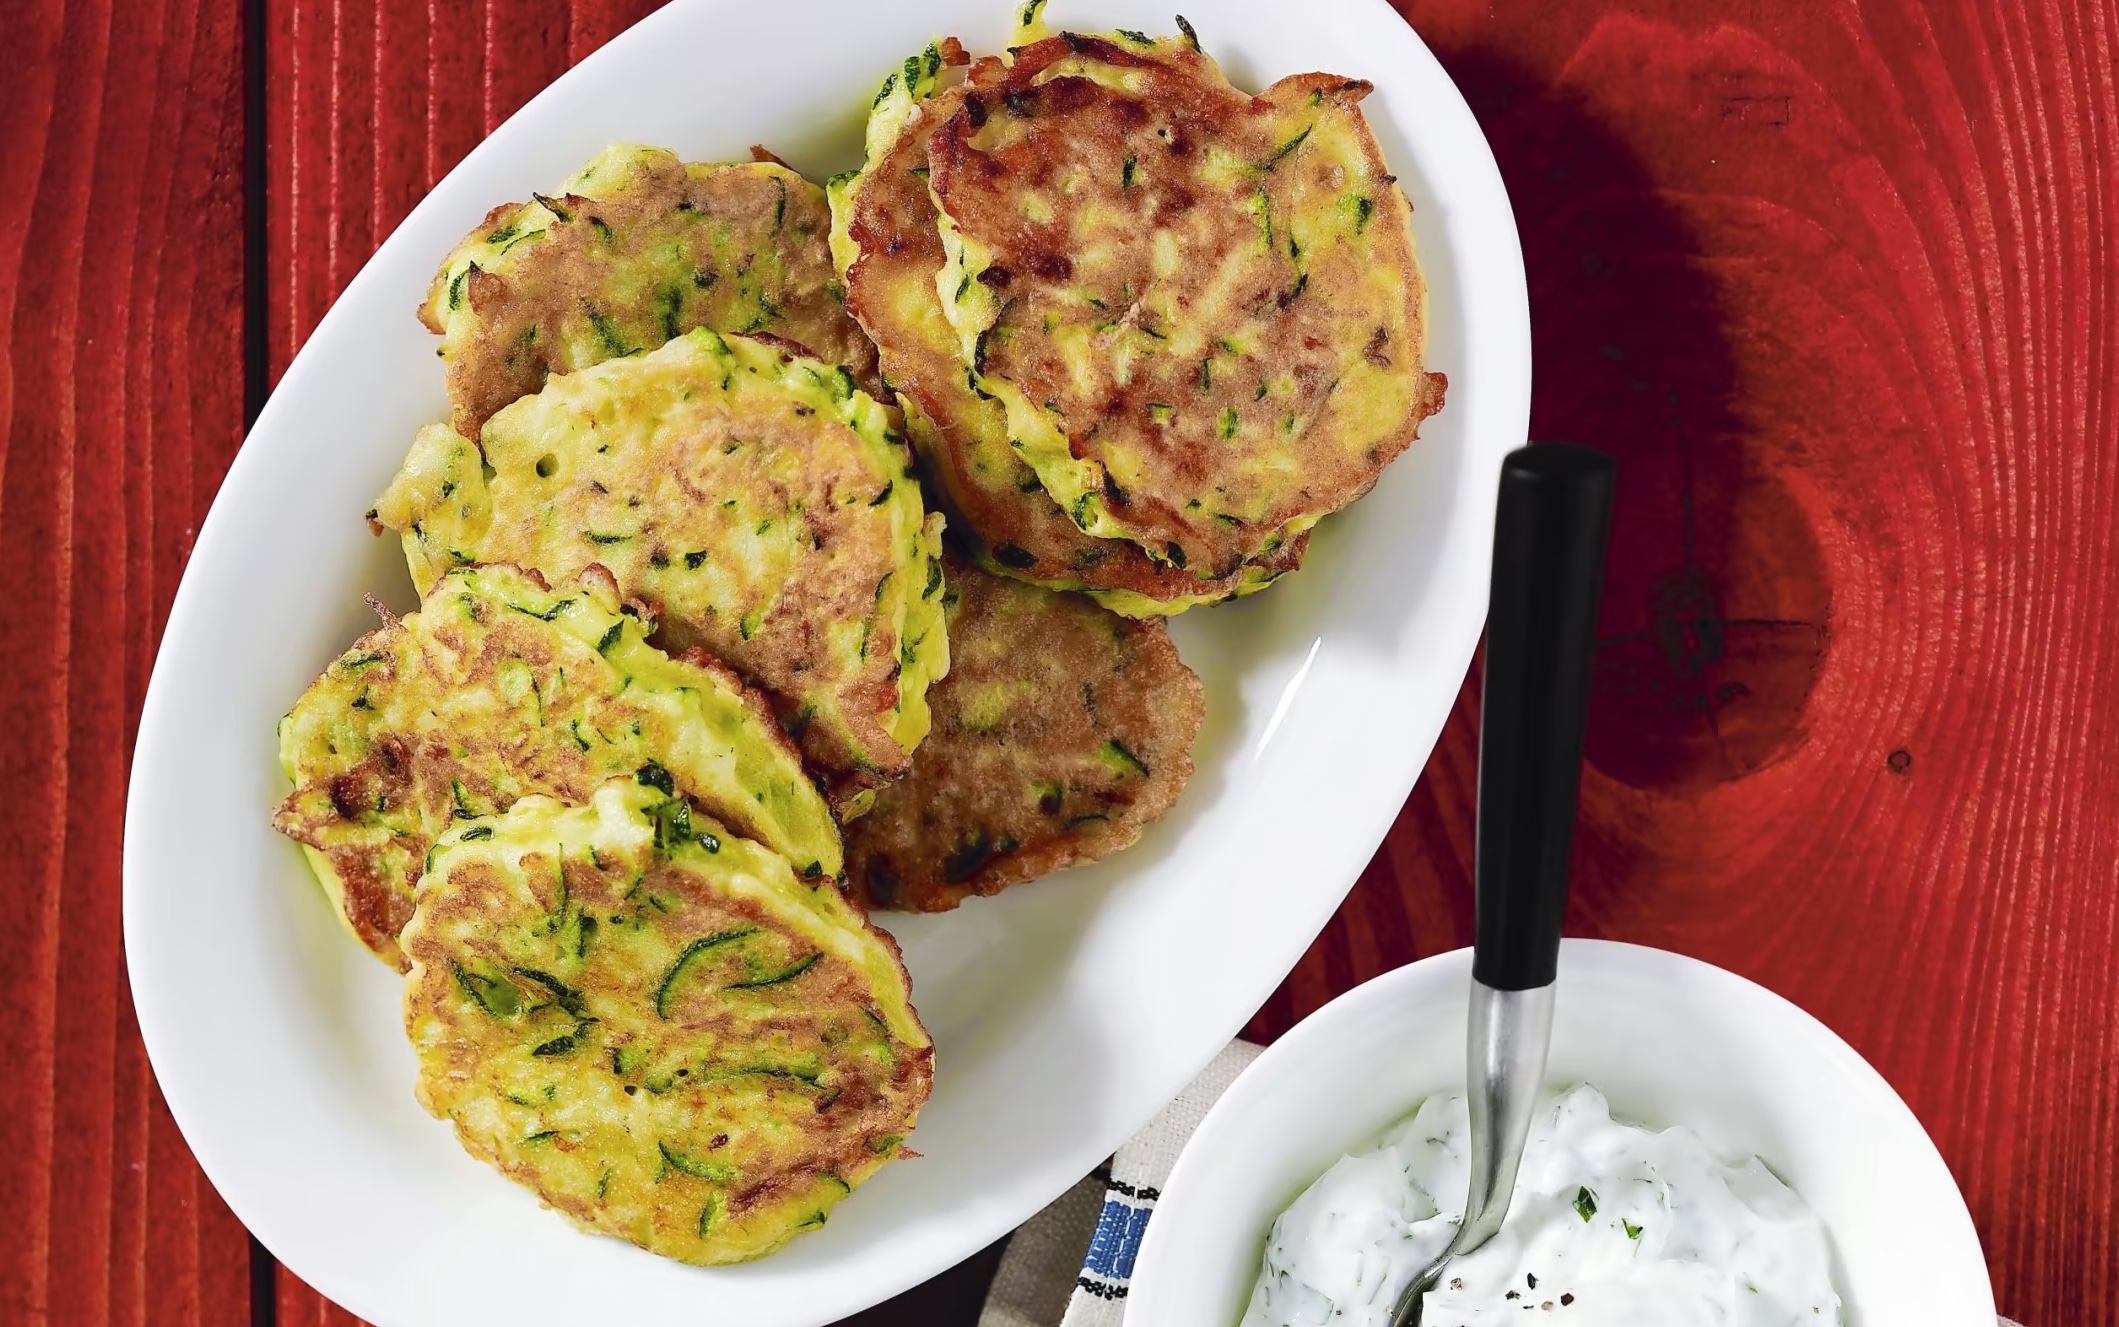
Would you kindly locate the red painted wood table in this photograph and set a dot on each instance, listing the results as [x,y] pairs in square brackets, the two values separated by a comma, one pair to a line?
[1838,282]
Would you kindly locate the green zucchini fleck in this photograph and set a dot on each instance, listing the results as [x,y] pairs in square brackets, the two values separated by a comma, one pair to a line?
[494,994]
[567,997]
[1121,760]
[672,310]
[776,975]
[699,1168]
[564,1044]
[1049,796]
[972,854]
[607,332]
[689,958]
[767,311]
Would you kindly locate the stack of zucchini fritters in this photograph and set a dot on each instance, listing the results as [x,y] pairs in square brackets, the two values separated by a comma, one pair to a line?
[696,680]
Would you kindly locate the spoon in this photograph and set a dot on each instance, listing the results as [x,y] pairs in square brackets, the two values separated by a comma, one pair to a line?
[1549,533]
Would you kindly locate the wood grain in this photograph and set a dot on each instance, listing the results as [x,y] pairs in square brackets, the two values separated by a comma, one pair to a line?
[367,106]
[121,392]
[1835,282]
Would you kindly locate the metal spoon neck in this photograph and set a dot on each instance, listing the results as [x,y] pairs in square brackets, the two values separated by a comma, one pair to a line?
[1509,1035]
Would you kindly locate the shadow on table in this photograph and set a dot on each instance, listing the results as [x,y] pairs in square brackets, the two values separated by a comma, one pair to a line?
[952,1299]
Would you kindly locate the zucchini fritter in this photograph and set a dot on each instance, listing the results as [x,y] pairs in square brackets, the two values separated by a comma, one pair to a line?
[759,500]
[636,250]
[1200,310]
[885,240]
[654,1025]
[498,688]
[1060,733]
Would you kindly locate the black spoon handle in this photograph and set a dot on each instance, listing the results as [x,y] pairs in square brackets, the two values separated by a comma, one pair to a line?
[1549,535]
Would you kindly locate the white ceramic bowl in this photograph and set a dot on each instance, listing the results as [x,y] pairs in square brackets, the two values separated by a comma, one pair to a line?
[1669,1039]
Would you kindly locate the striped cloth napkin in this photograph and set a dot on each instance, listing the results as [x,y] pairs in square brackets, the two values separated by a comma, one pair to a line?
[1069,1265]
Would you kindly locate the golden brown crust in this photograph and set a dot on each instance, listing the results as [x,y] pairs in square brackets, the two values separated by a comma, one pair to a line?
[835,1139]
[739,248]
[657,1029]
[763,508]
[1061,732]
[443,715]
[992,496]
[800,468]
[1212,296]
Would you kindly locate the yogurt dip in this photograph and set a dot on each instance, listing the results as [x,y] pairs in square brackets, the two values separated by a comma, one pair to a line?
[1611,1226]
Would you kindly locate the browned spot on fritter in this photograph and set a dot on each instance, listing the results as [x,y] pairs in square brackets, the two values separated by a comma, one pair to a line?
[1061,732]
